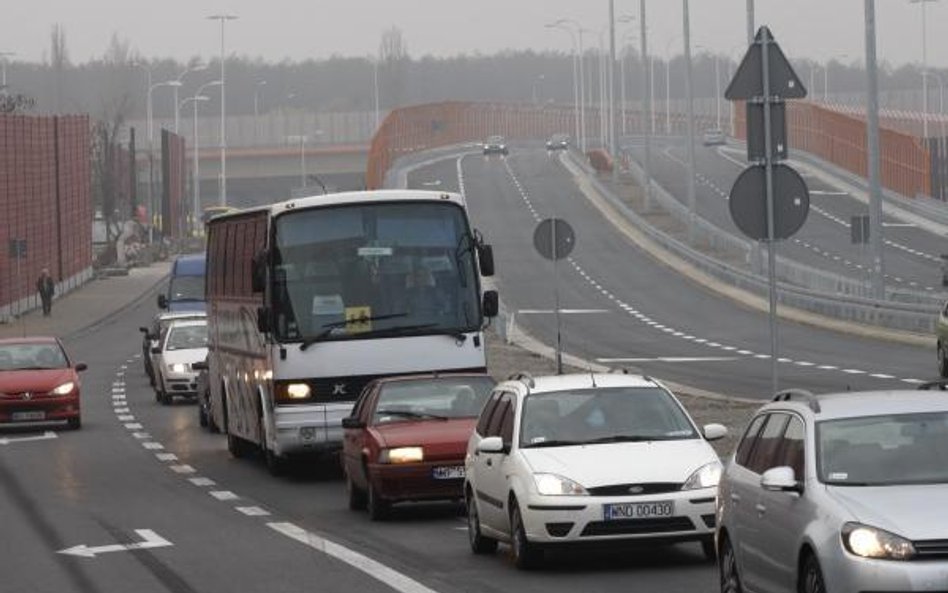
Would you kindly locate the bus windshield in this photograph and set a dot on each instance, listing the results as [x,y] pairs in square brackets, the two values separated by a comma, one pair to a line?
[374,270]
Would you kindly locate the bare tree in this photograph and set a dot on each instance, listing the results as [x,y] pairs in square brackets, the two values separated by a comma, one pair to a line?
[394,60]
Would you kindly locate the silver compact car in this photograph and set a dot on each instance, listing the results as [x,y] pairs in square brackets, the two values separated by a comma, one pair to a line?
[183,345]
[838,493]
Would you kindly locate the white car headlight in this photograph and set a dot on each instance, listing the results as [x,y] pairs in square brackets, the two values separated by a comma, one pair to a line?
[870,542]
[402,455]
[554,485]
[178,367]
[64,389]
[706,476]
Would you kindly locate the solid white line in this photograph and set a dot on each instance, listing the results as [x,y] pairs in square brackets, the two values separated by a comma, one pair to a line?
[375,569]
[671,359]
[824,192]
[201,481]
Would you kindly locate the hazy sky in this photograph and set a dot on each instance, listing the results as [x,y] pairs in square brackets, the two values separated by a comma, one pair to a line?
[299,29]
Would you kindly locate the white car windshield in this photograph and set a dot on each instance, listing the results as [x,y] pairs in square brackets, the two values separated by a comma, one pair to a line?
[618,414]
[884,450]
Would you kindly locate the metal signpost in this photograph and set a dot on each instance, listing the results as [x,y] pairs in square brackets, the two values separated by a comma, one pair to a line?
[554,239]
[769,201]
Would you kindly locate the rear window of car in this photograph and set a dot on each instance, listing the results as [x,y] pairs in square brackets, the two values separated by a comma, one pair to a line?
[187,336]
[447,397]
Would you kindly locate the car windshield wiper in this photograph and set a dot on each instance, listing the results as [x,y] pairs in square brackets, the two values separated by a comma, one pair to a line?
[34,368]
[623,438]
[328,327]
[553,443]
[410,414]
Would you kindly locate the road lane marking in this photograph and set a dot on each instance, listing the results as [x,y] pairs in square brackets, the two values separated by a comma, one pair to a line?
[152,446]
[150,539]
[142,436]
[202,481]
[253,511]
[42,437]
[183,469]
[562,311]
[375,569]
[126,418]
[672,359]
[133,425]
[166,456]
[223,495]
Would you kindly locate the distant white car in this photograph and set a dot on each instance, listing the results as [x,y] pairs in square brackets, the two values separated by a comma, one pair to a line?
[588,458]
[713,137]
[183,345]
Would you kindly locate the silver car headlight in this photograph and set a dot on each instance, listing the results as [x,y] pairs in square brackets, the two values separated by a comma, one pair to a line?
[178,367]
[870,542]
[554,485]
[706,476]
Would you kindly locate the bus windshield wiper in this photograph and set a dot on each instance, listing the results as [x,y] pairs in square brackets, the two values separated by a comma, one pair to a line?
[397,329]
[328,327]
[410,414]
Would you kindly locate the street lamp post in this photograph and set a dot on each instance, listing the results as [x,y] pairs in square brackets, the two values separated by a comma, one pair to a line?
[581,91]
[151,134]
[302,140]
[576,79]
[256,97]
[180,79]
[922,4]
[3,66]
[196,167]
[222,200]
[689,91]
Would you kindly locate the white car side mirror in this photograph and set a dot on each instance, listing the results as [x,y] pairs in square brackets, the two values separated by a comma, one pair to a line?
[780,479]
[714,432]
[491,445]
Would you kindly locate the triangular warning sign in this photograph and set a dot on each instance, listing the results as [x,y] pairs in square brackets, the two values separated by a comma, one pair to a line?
[748,81]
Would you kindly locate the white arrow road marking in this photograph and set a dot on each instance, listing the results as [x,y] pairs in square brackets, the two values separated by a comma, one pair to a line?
[150,540]
[42,437]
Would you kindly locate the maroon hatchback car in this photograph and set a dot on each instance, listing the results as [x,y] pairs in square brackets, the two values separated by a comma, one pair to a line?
[407,437]
[38,382]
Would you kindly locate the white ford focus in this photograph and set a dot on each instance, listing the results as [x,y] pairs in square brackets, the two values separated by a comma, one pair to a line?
[588,458]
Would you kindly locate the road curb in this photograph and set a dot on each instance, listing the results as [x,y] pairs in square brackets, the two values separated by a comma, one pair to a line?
[92,326]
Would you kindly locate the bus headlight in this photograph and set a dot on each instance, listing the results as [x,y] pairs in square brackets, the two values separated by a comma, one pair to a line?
[292,391]
[297,390]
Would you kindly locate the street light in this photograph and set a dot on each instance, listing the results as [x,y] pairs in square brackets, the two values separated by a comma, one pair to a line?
[151,133]
[302,140]
[3,66]
[922,4]
[222,200]
[689,92]
[256,96]
[196,168]
[579,90]
[196,68]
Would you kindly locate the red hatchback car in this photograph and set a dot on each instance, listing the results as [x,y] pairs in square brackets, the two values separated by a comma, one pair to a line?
[407,437]
[38,382]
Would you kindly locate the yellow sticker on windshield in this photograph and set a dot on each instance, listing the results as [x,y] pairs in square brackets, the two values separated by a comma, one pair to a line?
[357,319]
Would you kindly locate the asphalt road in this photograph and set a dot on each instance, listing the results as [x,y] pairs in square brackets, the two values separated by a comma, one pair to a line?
[97,486]
[911,253]
[629,310]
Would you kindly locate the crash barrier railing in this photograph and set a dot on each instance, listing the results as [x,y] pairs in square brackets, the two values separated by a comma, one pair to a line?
[45,195]
[904,316]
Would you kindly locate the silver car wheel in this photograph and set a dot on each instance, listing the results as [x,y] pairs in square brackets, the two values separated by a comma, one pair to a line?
[730,579]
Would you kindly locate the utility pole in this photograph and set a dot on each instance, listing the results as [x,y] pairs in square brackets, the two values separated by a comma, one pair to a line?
[649,103]
[876,238]
[613,132]
[222,199]
[750,22]
[690,123]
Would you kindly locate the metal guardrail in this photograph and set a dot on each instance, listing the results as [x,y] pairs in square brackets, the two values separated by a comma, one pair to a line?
[913,317]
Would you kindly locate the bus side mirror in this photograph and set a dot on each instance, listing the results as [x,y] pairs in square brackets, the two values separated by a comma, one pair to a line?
[485,255]
[258,272]
[491,304]
[162,301]
[263,320]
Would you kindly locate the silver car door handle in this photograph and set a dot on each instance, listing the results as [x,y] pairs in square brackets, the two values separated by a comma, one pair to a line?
[736,497]
[761,509]
[489,462]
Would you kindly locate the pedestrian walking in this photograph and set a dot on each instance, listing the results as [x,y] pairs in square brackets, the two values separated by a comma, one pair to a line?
[46,287]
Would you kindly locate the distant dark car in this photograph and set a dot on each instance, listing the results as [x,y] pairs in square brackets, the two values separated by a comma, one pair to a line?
[496,145]
[558,142]
[406,439]
[38,382]
[713,137]
[186,287]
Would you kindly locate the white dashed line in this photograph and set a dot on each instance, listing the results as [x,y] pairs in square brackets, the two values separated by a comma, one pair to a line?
[223,495]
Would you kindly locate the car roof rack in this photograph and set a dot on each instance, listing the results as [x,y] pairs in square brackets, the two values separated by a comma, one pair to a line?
[937,385]
[794,394]
[524,377]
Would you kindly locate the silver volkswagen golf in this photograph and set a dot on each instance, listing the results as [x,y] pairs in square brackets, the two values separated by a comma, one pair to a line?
[841,493]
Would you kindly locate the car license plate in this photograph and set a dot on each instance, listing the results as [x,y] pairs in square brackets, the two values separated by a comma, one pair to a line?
[27,416]
[453,472]
[638,510]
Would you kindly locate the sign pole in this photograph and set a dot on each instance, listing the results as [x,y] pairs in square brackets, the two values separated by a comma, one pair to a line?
[771,240]
[556,299]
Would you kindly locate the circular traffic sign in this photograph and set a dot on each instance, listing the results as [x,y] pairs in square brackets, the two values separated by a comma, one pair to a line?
[748,202]
[554,238]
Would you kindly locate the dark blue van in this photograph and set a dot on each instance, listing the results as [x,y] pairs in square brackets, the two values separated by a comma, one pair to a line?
[186,287]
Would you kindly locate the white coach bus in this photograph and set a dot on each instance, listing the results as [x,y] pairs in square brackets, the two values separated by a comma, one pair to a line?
[310,299]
